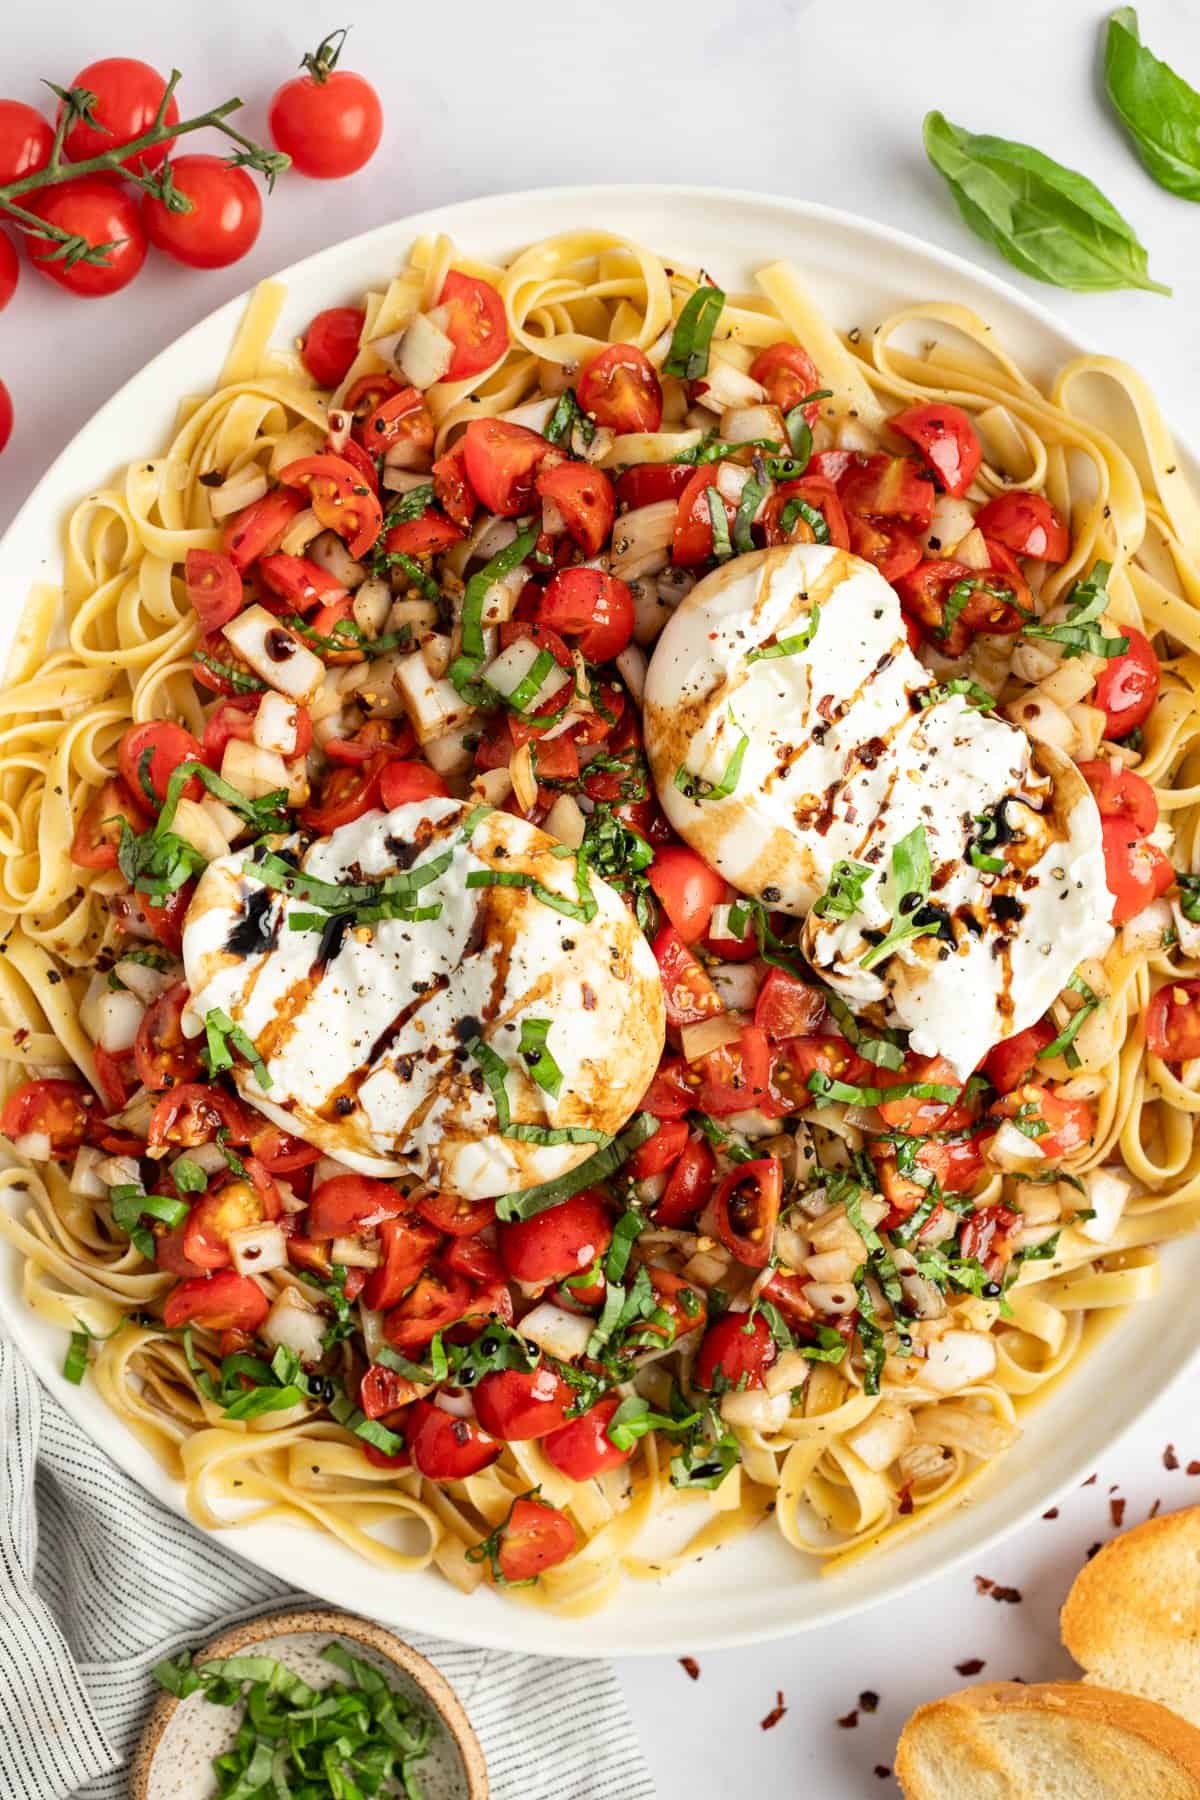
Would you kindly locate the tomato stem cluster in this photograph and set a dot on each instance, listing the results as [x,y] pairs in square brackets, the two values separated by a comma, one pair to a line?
[77,105]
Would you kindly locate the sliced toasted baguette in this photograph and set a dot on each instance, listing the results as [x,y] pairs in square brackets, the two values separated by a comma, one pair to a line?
[1132,1617]
[1060,1741]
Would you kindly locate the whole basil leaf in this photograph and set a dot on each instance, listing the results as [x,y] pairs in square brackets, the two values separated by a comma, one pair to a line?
[1158,109]
[1048,221]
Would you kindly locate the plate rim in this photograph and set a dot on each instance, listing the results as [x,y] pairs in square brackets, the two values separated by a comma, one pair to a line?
[501,1625]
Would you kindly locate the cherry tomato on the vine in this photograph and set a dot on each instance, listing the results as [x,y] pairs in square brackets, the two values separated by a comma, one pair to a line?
[104,214]
[225,215]
[10,269]
[6,415]
[328,120]
[26,139]
[128,94]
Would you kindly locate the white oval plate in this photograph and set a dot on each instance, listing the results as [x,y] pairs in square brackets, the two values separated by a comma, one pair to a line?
[756,1588]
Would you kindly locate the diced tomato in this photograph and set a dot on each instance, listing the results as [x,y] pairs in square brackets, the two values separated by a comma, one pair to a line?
[116,1077]
[169,1253]
[682,1302]
[736,1078]
[688,1186]
[910,1113]
[582,1448]
[347,1204]
[895,552]
[438,1299]
[788,1008]
[345,795]
[1026,524]
[556,759]
[994,601]
[584,496]
[158,749]
[302,583]
[785,1289]
[1172,1022]
[820,496]
[193,1114]
[364,465]
[520,1404]
[468,1255]
[214,587]
[646,483]
[476,324]
[98,834]
[164,1057]
[692,539]
[280,1153]
[233,718]
[1070,1124]
[831,463]
[594,608]
[330,344]
[216,650]
[382,1391]
[658,1152]
[560,1241]
[1136,871]
[669,1096]
[445,1447]
[1121,794]
[224,1210]
[378,737]
[1127,685]
[451,489]
[259,527]
[402,418]
[502,462]
[368,392]
[454,1215]
[402,782]
[339,496]
[746,1209]
[620,390]
[986,1235]
[406,1244]
[536,1537]
[731,949]
[955,1163]
[946,439]
[429,535]
[1011,1061]
[886,487]
[382,1459]
[687,889]
[52,1107]
[739,1349]
[222,1302]
[789,375]
[164,922]
[825,1054]
[689,994]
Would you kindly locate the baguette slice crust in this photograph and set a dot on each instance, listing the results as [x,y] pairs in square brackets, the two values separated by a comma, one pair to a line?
[1132,1617]
[1058,1741]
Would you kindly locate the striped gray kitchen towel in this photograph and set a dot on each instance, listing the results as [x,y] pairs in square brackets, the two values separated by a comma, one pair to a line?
[98,1581]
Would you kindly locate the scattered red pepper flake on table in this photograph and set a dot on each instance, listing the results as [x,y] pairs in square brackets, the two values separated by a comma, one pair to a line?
[1090,1482]
[1092,1552]
[690,1667]
[972,1666]
[1193,1468]
[1009,1595]
[1052,1514]
[983,1585]
[776,1713]
[882,1770]
[868,1700]
[1153,1513]
[849,1721]
[1117,1510]
[1170,1460]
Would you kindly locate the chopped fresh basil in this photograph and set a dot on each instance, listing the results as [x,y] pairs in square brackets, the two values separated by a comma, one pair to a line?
[798,429]
[465,668]
[870,1337]
[221,1033]
[1189,896]
[688,355]
[843,897]
[240,680]
[694,787]
[1064,1043]
[584,908]
[633,1419]
[1080,632]
[721,1138]
[789,646]
[748,505]
[598,1167]
[830,1346]
[188,1176]
[849,1094]
[911,876]
[76,1361]
[567,418]
[717,450]
[977,697]
[722,548]
[412,505]
[533,1051]
[799,508]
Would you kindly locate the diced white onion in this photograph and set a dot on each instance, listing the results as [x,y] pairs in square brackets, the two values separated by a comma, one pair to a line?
[449,754]
[831,1265]
[565,822]
[881,1437]
[298,673]
[1011,1150]
[438,650]
[507,671]
[1146,930]
[85,1178]
[237,491]
[292,1325]
[973,551]
[650,447]
[405,454]
[257,1248]
[209,1157]
[492,786]
[403,481]
[303,528]
[730,479]
[559,1333]
[755,1409]
[142,980]
[97,987]
[275,724]
[372,604]
[534,415]
[252,771]
[197,827]
[958,1360]
[699,1040]
[631,667]
[433,706]
[1068,682]
[119,1171]
[642,540]
[788,1371]
[500,600]
[341,424]
[737,984]
[330,553]
[424,353]
[1044,722]
[120,1015]
[34,1146]
[1108,1192]
[835,1297]
[356,1252]
[650,609]
[745,424]
[726,386]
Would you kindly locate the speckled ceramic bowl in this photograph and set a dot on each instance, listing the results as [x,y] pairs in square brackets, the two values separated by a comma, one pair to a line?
[174,1755]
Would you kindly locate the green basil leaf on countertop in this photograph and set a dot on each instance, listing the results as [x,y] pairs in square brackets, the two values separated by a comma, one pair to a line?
[1157,107]
[1048,221]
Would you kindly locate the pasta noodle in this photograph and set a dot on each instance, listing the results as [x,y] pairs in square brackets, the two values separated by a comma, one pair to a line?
[114,645]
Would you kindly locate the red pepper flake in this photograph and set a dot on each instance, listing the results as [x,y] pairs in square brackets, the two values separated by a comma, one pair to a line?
[690,1667]
[906,1500]
[1052,1514]
[868,1700]
[1117,1510]
[971,1667]
[776,1713]
[1193,1468]
[1170,1460]
[849,1722]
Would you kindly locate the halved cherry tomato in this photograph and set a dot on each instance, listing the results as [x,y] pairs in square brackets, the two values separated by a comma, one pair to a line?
[731,949]
[259,527]
[820,496]
[378,737]
[682,1302]
[407,1243]
[646,483]
[427,536]
[365,394]
[884,487]
[894,551]
[193,1114]
[788,1008]
[348,1204]
[402,418]
[558,1242]
[985,1236]
[582,1448]
[230,1208]
[692,538]
[658,1152]
[584,496]
[445,1447]
[362,464]
[556,759]
[451,489]
[594,608]
[910,1113]
[799,1058]
[220,656]
[55,1108]
[689,994]
[1121,794]
[166,745]
[303,584]
[619,389]
[402,782]
[169,1253]
[955,1163]
[746,1209]
[1127,685]
[164,922]
[222,1302]
[789,375]
[738,1348]
[1027,525]
[1136,871]
[669,1096]
[231,719]
[476,324]
[98,834]
[785,1289]
[1070,1123]
[116,1077]
[688,1185]
[346,794]
[1011,1061]
[454,1215]
[339,496]
[1172,1021]
[687,889]
[164,1056]
[382,1391]
[439,1298]
[520,1404]
[946,439]
[995,601]
[736,1078]
[502,462]
[214,587]
[280,1153]
[330,344]
[537,1536]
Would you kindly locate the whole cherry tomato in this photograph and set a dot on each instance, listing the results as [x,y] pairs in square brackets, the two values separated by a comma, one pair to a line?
[10,269]
[225,216]
[328,120]
[128,94]
[104,214]
[6,415]
[26,140]
[331,344]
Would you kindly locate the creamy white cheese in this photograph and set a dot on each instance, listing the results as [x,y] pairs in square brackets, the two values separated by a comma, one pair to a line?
[364,1033]
[839,761]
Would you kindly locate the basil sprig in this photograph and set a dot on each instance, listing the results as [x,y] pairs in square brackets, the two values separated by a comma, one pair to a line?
[1080,631]
[690,340]
[1157,107]
[1048,221]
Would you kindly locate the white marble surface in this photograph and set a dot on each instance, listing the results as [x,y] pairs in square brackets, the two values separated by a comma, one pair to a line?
[821,100]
